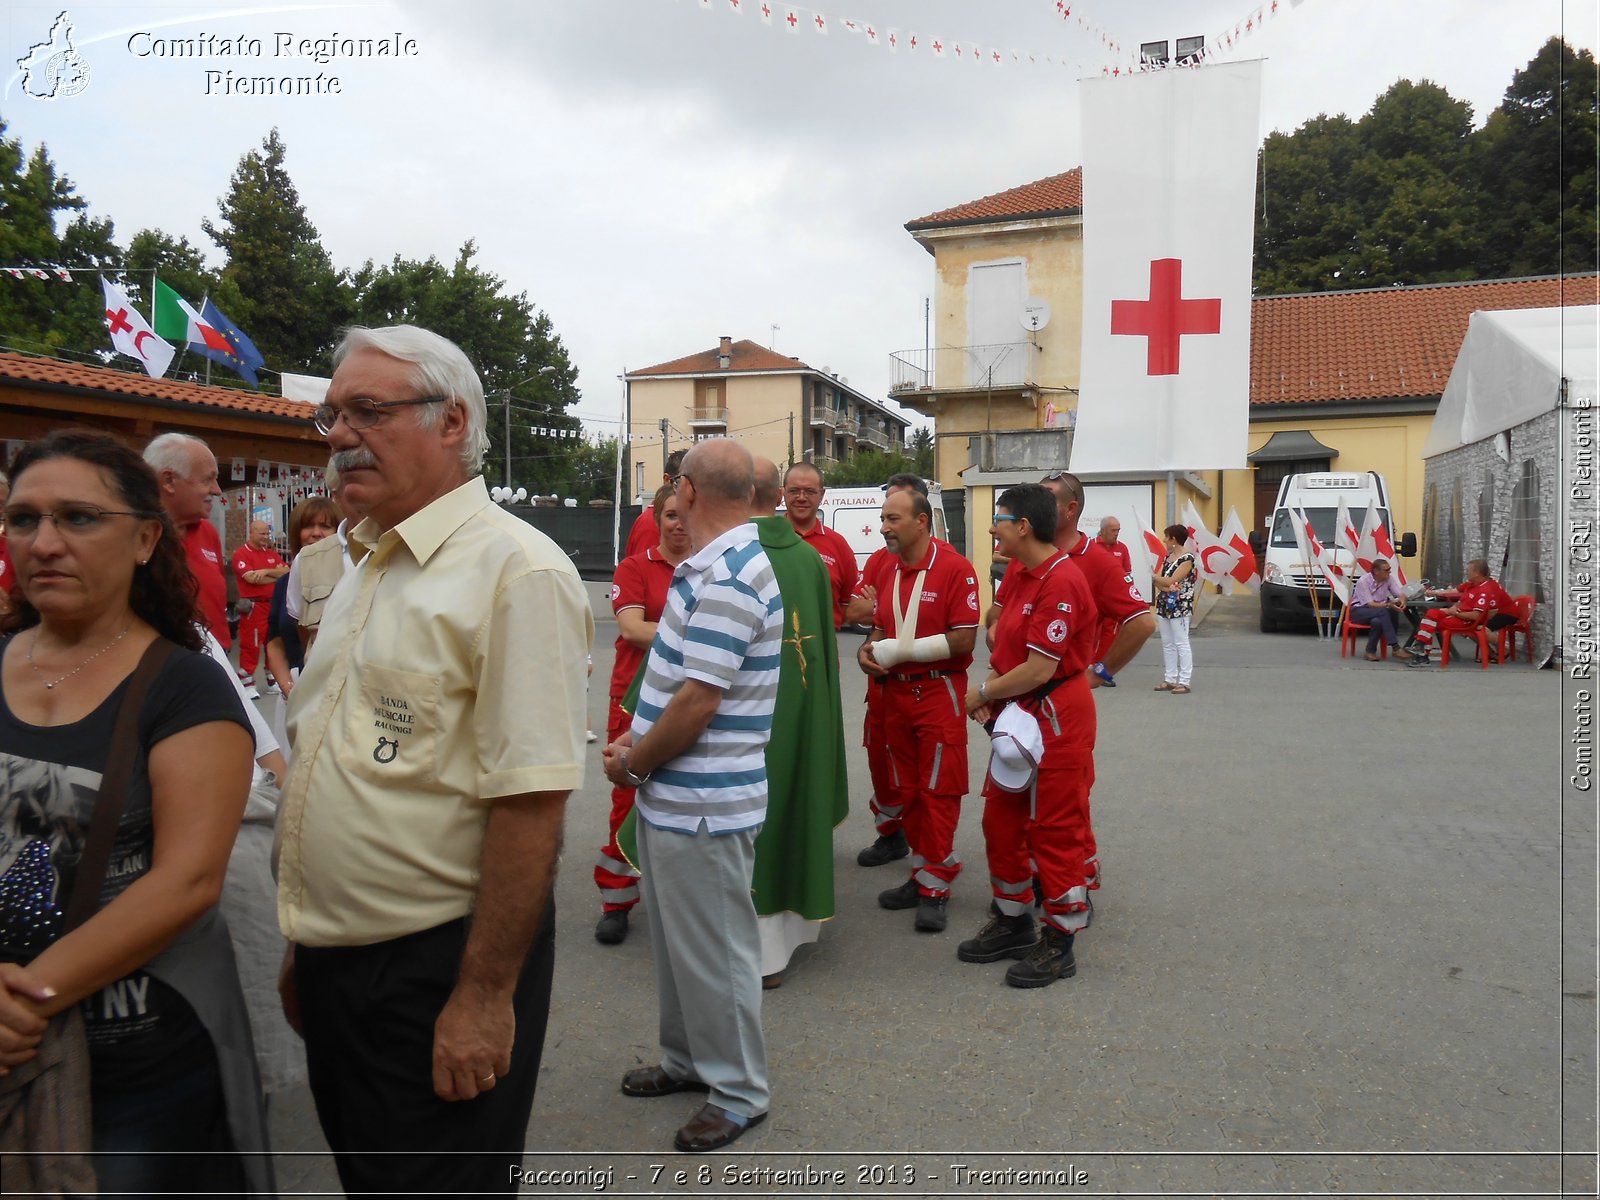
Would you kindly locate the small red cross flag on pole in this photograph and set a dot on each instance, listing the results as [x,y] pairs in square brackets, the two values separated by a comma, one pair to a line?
[1169,168]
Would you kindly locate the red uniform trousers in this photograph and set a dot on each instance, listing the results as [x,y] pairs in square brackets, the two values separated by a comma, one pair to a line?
[617,879]
[885,803]
[926,722]
[253,636]
[1046,830]
[1434,620]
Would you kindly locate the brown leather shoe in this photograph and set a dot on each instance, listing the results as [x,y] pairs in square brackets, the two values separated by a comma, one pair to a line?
[650,1082]
[712,1128]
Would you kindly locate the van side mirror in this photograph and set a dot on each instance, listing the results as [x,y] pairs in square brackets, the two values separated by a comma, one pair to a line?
[1408,545]
[1258,541]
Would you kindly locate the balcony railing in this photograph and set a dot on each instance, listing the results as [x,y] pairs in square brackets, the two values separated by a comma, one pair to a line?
[874,437]
[848,426]
[969,368]
[821,414]
[706,414]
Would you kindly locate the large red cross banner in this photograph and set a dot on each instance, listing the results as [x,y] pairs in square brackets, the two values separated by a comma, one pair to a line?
[1169,168]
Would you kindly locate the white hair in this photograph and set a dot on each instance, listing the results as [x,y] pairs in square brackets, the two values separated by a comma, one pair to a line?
[441,369]
[173,452]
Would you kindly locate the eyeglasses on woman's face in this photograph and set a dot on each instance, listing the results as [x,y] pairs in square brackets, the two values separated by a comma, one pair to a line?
[71,519]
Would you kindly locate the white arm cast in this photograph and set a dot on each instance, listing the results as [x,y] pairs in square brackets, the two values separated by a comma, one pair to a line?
[927,649]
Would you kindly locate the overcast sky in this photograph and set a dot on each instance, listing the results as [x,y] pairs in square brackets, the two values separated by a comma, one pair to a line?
[654,174]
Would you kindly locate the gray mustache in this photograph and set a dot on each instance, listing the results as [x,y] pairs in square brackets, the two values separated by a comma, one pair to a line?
[350,460]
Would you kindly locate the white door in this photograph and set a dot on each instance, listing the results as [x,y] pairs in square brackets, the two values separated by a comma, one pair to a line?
[996,293]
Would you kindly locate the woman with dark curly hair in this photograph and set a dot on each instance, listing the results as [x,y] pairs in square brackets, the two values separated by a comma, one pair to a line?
[100,580]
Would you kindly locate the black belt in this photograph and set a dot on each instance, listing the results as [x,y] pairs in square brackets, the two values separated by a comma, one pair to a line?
[922,676]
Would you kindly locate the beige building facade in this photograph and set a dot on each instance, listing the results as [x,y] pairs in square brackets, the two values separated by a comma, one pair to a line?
[777,406]
[1344,381]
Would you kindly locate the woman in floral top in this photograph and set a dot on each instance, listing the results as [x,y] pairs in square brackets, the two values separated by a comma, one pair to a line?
[1174,604]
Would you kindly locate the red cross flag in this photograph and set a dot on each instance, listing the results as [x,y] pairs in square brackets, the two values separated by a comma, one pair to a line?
[132,335]
[1169,168]
[1376,543]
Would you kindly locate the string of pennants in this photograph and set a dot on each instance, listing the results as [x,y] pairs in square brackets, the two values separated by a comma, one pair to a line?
[796,19]
[48,274]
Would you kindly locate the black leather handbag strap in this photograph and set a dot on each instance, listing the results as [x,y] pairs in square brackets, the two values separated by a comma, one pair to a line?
[108,805]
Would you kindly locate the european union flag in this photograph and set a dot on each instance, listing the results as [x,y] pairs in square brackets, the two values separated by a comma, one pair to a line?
[241,356]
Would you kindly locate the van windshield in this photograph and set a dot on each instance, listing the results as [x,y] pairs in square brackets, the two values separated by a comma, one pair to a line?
[1321,522]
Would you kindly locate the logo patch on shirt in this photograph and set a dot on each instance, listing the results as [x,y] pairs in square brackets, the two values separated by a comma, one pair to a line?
[972,600]
[211,555]
[1057,632]
[616,593]
[1063,606]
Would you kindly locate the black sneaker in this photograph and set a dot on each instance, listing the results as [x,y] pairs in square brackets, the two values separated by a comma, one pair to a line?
[613,927]
[1001,937]
[1049,960]
[931,914]
[885,850]
[1418,660]
[904,896]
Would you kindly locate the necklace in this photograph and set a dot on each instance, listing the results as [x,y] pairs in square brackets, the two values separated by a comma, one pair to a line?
[49,684]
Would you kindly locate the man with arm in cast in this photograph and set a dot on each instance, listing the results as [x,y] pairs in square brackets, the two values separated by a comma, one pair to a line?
[890,844]
[924,630]
[435,744]
[696,755]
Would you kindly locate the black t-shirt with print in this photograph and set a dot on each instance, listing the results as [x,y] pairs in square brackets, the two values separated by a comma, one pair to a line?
[49,780]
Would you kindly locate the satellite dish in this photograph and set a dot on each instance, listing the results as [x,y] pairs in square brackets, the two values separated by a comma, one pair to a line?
[1035,314]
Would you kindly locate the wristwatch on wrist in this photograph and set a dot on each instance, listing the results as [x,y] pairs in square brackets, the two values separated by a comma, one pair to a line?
[627,773]
[983,690]
[1106,677]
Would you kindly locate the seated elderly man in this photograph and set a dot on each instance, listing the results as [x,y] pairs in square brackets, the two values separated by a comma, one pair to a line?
[1376,602]
[1481,602]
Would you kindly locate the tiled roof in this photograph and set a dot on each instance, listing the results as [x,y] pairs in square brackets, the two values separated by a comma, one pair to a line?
[1386,343]
[745,356]
[1054,196]
[28,368]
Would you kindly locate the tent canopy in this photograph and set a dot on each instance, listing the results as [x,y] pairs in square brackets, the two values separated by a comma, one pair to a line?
[1510,370]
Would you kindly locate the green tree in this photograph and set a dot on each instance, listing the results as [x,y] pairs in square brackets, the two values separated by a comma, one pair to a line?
[922,450]
[528,379]
[1535,163]
[869,468]
[583,470]
[278,284]
[45,223]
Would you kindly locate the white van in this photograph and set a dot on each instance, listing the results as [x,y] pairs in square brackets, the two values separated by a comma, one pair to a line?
[857,513]
[1285,576]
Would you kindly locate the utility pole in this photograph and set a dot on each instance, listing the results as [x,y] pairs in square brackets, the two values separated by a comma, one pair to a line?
[791,439]
[664,427]
[505,474]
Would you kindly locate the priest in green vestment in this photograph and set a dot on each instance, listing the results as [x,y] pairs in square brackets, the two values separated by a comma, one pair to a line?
[807,794]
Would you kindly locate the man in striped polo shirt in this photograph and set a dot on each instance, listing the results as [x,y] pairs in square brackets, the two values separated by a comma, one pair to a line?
[697,755]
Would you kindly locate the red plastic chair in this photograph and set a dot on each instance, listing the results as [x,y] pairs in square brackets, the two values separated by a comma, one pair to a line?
[1480,633]
[1524,626]
[1347,638]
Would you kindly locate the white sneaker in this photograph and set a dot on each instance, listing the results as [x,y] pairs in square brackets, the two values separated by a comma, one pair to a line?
[273,689]
[589,735]
[252,694]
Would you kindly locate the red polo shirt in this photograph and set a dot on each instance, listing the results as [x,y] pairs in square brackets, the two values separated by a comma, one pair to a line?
[641,581]
[949,601]
[248,558]
[840,561]
[203,548]
[644,533]
[1110,582]
[1049,609]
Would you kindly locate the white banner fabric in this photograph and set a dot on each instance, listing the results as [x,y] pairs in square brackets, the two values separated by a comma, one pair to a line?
[1169,169]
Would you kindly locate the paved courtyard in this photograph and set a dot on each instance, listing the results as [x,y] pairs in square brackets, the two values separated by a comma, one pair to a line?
[1345,944]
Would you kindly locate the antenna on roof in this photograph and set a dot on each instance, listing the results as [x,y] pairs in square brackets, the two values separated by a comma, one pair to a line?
[772,342]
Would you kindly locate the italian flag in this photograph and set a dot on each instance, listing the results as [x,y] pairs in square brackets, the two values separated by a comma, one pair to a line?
[177,320]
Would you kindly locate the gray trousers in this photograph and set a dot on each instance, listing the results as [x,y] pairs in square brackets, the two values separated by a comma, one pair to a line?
[707,950]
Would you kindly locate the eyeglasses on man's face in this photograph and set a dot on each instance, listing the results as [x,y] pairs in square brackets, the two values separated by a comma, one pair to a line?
[803,493]
[69,519]
[362,413]
[674,481]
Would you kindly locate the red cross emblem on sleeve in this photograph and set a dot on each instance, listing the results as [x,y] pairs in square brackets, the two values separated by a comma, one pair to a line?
[1165,316]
